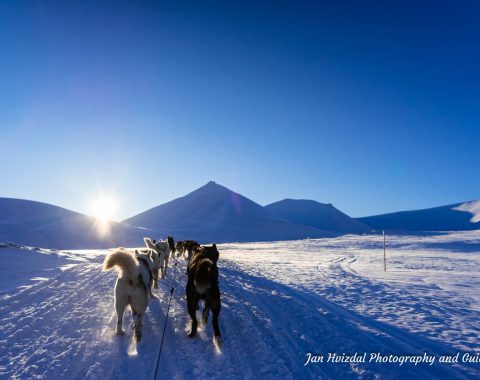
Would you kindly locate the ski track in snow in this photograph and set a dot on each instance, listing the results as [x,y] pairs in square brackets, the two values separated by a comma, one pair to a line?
[280,301]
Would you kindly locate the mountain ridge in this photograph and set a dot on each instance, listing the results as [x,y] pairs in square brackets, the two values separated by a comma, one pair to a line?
[41,224]
[214,212]
[320,215]
[453,217]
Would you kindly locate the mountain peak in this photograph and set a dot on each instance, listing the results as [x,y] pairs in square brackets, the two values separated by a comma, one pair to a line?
[212,185]
[216,213]
[323,216]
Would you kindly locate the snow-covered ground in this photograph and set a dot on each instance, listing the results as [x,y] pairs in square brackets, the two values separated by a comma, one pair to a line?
[282,303]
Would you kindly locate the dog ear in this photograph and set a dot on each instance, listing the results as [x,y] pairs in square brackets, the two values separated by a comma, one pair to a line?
[214,246]
[136,253]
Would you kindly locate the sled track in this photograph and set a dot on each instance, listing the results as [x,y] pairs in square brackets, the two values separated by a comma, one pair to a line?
[64,328]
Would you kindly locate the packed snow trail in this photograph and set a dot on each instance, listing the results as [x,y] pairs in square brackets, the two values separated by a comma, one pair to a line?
[280,301]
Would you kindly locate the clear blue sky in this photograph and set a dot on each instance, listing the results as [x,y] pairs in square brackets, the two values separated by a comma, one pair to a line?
[373,106]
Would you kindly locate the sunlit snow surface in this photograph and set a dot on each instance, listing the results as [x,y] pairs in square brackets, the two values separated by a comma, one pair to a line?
[280,301]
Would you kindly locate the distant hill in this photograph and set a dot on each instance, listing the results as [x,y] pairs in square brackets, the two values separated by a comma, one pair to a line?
[44,225]
[455,217]
[318,215]
[215,213]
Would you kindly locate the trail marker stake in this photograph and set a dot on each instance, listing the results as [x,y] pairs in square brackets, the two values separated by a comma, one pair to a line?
[384,253]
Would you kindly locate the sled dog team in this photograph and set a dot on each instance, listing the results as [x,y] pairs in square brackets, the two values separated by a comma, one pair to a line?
[139,271]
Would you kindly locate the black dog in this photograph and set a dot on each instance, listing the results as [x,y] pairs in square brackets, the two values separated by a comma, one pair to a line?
[203,284]
[171,244]
[190,246]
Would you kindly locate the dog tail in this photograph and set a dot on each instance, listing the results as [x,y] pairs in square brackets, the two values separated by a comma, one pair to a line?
[122,261]
[149,242]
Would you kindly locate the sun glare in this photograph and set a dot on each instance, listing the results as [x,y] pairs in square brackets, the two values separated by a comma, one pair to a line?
[103,208]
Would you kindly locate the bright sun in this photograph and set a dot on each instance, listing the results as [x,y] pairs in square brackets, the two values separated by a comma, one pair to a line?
[103,208]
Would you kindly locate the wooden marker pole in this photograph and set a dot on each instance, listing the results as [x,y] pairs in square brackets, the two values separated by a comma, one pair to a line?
[384,253]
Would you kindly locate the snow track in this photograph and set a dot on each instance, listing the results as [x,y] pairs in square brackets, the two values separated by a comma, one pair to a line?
[280,301]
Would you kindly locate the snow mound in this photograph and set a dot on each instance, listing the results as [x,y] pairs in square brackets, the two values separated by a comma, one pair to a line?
[473,208]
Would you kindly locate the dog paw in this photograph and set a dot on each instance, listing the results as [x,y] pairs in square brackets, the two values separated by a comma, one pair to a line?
[120,332]
[191,334]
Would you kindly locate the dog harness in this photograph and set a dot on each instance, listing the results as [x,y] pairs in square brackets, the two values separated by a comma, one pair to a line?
[144,261]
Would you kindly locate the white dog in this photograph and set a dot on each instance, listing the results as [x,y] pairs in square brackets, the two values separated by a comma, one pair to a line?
[132,286]
[162,249]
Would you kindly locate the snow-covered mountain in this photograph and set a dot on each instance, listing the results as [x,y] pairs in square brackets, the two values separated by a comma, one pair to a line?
[318,215]
[45,225]
[456,217]
[215,213]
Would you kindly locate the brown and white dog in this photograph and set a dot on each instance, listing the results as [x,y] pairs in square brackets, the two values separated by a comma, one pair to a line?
[132,286]
[180,248]
[203,284]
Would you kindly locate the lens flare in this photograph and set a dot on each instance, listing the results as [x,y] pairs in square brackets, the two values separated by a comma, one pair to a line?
[103,208]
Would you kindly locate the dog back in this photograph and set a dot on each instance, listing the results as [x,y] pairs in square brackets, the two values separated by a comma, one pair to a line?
[206,252]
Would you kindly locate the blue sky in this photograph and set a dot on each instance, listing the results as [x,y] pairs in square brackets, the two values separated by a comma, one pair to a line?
[373,107]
